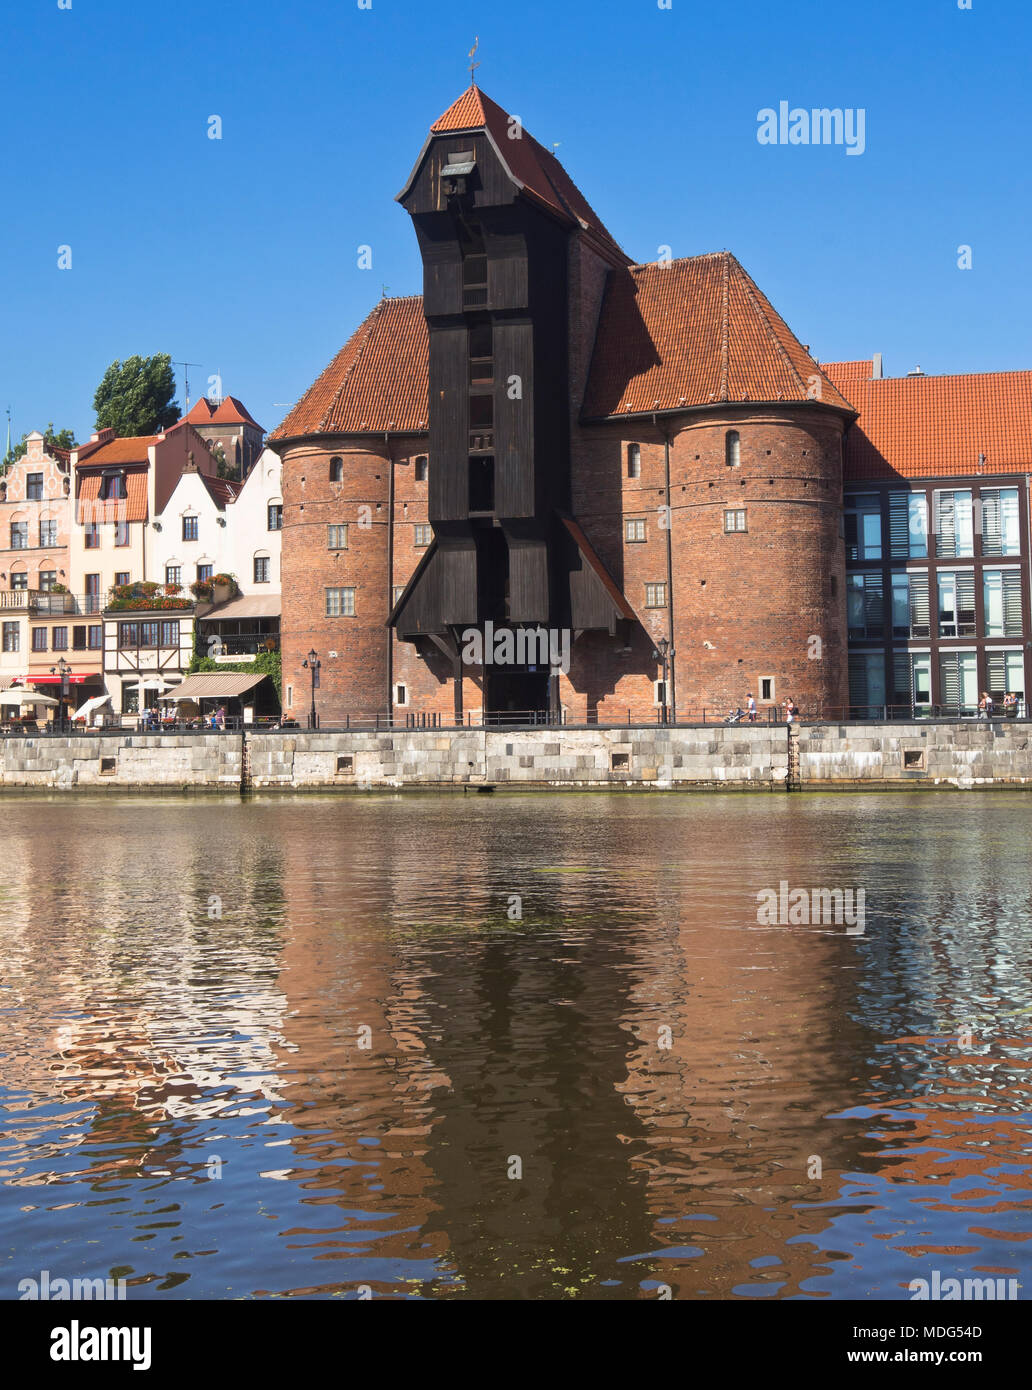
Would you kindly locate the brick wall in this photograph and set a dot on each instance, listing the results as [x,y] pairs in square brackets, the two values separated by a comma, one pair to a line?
[766,603]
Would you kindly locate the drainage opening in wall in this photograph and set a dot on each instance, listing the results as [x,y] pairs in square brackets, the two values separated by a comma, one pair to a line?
[107,767]
[914,760]
[345,763]
[619,760]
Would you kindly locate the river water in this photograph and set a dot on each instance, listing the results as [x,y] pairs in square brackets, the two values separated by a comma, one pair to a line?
[530,1047]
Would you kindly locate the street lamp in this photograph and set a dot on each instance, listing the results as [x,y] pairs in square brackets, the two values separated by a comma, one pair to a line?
[313,664]
[661,655]
[63,670]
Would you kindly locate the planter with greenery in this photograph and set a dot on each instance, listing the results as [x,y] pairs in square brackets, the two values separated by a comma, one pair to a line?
[265,663]
[146,596]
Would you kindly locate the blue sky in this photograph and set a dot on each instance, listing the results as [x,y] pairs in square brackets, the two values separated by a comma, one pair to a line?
[240,254]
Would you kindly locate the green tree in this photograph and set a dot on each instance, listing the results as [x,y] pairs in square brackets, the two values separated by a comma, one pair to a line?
[137,396]
[60,439]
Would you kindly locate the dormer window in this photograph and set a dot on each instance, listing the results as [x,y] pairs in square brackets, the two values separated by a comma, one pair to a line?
[112,485]
[456,172]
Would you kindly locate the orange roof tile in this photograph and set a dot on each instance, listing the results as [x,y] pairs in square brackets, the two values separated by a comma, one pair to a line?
[221,489]
[931,426]
[532,166]
[131,508]
[230,411]
[377,382]
[695,332]
[199,413]
[467,112]
[132,449]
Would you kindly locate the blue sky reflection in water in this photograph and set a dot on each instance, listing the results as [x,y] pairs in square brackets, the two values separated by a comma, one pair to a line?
[186,1099]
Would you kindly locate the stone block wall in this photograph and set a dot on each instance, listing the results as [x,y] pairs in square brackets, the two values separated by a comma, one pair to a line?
[962,754]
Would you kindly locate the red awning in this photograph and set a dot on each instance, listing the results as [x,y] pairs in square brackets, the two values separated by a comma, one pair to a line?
[73,679]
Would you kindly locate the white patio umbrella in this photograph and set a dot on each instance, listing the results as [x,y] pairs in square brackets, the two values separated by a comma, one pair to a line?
[25,697]
[84,711]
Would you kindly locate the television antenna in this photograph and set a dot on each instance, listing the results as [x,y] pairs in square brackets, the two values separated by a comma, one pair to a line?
[186,379]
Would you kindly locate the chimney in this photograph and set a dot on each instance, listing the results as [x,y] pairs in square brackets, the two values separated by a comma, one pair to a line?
[916,372]
[102,436]
[876,367]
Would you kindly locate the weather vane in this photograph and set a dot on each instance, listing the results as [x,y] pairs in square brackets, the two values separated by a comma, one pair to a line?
[472,54]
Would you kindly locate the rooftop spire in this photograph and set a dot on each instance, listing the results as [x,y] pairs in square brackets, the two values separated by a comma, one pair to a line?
[473,66]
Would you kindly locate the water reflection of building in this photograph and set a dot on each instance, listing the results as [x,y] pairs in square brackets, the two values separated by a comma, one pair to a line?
[129,1000]
[538,1040]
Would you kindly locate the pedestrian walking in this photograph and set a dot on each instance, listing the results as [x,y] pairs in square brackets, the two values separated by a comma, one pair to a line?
[750,705]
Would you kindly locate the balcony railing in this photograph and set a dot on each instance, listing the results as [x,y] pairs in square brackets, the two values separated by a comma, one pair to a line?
[243,644]
[45,602]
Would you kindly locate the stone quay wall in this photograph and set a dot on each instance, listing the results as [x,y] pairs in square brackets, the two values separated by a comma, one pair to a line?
[756,757]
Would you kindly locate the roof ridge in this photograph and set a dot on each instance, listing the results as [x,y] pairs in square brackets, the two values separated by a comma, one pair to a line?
[725,328]
[367,324]
[678,260]
[756,297]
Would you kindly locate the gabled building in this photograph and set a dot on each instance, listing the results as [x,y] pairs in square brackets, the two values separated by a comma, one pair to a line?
[210,527]
[226,425]
[553,440]
[121,485]
[37,627]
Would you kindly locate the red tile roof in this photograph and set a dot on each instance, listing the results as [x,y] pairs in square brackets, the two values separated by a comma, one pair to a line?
[377,382]
[930,426]
[230,411]
[199,413]
[132,449]
[132,508]
[221,489]
[695,332]
[536,169]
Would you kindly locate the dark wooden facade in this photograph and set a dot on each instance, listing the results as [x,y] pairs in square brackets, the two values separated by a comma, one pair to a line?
[495,268]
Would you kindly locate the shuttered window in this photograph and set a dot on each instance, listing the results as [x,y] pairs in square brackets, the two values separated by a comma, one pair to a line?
[866,684]
[865,605]
[956,614]
[911,678]
[920,617]
[1002,597]
[958,681]
[1005,674]
[862,520]
[999,514]
[954,524]
[911,616]
[908,526]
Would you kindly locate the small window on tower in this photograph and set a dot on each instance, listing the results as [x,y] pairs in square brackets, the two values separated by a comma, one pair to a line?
[481,412]
[732,449]
[422,465]
[336,470]
[634,460]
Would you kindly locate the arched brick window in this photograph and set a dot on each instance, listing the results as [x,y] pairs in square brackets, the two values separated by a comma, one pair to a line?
[732,449]
[336,470]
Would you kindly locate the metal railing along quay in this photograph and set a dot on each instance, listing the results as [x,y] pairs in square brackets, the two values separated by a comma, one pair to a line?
[518,719]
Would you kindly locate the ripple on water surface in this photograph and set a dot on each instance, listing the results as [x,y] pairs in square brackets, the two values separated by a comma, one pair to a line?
[520,1046]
